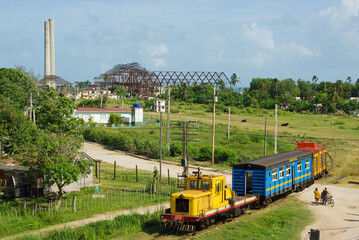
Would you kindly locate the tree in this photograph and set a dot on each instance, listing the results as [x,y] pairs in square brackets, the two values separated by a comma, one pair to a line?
[234,80]
[315,79]
[17,86]
[56,156]
[120,90]
[349,79]
[221,85]
[115,119]
[54,113]
[106,78]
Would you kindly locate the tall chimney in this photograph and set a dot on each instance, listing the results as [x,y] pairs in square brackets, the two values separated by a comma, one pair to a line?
[52,47]
[47,70]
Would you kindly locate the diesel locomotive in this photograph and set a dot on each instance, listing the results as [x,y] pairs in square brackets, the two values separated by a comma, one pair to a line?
[255,183]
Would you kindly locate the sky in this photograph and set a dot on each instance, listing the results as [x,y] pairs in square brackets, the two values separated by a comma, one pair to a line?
[254,38]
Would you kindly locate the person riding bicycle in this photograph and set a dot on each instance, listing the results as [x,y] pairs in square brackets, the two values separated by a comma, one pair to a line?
[325,196]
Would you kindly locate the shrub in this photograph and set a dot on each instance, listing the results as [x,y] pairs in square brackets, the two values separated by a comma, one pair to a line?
[225,155]
[176,149]
[205,153]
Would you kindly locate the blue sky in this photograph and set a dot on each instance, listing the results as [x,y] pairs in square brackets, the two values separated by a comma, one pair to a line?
[257,38]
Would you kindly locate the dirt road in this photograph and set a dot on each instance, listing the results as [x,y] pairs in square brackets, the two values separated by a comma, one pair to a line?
[98,151]
[338,222]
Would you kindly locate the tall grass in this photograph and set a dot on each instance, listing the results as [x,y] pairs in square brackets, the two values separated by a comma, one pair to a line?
[283,221]
[120,226]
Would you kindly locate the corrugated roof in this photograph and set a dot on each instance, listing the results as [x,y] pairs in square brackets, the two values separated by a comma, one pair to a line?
[95,109]
[271,161]
[11,166]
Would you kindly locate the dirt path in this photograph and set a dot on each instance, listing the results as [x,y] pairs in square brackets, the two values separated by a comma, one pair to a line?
[338,222]
[96,218]
[98,151]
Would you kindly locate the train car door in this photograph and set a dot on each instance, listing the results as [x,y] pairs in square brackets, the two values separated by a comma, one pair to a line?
[293,177]
[249,183]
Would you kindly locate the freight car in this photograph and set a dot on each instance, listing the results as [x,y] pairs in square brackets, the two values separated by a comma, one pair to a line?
[255,183]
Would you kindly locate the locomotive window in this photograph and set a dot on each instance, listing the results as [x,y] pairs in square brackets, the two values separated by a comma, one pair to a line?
[205,185]
[217,187]
[182,205]
[306,164]
[268,174]
[288,170]
[281,172]
[274,174]
[193,184]
[299,168]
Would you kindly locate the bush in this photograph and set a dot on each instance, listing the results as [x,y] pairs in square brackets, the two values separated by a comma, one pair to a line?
[205,153]
[176,149]
[225,155]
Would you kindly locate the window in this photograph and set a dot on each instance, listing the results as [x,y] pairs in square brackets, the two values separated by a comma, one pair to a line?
[299,167]
[205,185]
[268,174]
[193,184]
[306,164]
[274,174]
[281,172]
[217,187]
[287,171]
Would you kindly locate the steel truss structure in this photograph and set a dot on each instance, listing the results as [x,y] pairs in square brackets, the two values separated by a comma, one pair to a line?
[149,83]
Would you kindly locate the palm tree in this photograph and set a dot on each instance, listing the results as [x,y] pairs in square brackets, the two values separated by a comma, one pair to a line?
[221,85]
[105,78]
[315,79]
[234,80]
[349,79]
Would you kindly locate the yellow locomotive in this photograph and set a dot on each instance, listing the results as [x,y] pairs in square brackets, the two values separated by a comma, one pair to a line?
[205,199]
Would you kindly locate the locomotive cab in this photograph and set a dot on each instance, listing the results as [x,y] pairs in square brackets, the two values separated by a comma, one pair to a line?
[203,193]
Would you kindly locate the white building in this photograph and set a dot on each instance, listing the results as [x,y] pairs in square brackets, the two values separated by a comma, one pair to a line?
[102,115]
[159,106]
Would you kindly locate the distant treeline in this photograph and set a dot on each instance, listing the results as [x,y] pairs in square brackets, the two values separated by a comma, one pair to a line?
[266,92]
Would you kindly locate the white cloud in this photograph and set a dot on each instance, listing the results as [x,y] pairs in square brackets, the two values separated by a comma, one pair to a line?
[347,9]
[300,50]
[157,50]
[158,62]
[260,35]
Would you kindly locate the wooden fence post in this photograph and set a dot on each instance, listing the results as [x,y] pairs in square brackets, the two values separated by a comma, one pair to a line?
[74,204]
[150,191]
[136,174]
[169,179]
[114,171]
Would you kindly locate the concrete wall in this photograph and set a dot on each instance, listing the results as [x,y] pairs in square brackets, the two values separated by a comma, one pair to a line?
[102,117]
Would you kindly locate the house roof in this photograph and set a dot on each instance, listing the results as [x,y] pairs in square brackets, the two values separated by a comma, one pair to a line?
[11,166]
[95,109]
[272,161]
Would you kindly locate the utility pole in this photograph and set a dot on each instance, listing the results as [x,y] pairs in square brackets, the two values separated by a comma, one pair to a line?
[184,139]
[160,147]
[265,137]
[185,155]
[229,122]
[30,106]
[213,122]
[275,129]
[168,118]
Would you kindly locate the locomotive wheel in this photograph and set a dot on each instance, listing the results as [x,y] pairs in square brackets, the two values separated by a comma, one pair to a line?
[213,220]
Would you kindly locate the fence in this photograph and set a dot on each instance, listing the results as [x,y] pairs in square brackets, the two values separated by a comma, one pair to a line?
[123,198]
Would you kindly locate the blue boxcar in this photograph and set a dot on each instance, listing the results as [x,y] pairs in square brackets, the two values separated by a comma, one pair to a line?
[273,175]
